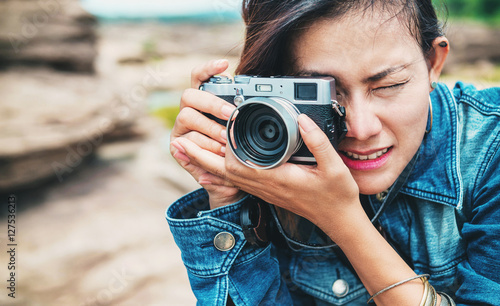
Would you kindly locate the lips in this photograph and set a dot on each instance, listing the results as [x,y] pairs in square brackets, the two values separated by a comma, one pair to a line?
[368,161]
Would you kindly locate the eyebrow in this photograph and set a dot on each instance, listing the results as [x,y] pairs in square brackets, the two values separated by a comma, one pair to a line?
[382,74]
[374,78]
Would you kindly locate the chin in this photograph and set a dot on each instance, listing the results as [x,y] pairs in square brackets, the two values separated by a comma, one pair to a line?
[372,185]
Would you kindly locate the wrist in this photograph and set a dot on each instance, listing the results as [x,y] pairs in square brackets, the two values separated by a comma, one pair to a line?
[344,227]
[216,199]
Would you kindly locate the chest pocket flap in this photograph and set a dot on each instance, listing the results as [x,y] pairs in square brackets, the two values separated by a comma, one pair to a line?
[322,275]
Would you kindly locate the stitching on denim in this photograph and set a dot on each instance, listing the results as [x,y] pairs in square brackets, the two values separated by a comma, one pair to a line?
[445,94]
[252,256]
[456,171]
[325,294]
[234,288]
[184,223]
[492,149]
[421,194]
[434,270]
[223,286]
[221,269]
[353,294]
[479,105]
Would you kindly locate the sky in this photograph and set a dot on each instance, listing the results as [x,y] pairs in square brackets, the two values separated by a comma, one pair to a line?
[165,8]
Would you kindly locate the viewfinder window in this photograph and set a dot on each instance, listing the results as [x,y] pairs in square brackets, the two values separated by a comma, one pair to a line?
[306,91]
[264,87]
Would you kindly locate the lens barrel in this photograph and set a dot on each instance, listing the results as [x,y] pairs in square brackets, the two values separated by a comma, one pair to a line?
[263,133]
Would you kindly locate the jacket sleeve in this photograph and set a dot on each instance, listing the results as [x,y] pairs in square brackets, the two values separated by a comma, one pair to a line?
[479,274]
[218,259]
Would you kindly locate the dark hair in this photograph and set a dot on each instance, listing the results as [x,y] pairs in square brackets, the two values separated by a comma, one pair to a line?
[270,25]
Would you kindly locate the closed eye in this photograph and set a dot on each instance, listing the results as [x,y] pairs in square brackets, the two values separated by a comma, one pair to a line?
[392,86]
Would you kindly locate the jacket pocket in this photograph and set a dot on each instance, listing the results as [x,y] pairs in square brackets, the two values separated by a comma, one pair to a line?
[322,275]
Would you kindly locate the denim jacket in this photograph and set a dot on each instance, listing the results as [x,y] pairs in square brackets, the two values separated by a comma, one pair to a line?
[444,220]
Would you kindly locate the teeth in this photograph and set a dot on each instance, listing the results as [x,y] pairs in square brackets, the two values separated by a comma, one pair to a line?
[366,157]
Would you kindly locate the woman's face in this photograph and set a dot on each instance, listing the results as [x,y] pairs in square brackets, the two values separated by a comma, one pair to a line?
[382,79]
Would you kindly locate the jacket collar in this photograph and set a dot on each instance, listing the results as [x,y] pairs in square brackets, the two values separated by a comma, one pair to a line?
[436,176]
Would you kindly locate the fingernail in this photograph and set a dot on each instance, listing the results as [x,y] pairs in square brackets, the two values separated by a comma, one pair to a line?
[223,149]
[204,182]
[178,146]
[306,123]
[220,63]
[182,157]
[223,134]
[227,111]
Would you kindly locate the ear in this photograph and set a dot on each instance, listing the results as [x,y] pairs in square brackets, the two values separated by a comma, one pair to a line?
[437,57]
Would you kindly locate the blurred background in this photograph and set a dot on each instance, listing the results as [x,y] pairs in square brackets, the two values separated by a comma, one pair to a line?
[88,93]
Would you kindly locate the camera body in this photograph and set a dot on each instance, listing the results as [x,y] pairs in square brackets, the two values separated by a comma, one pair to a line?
[263,130]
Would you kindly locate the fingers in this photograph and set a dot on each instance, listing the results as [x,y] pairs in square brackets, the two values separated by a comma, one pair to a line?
[198,173]
[207,103]
[318,143]
[210,162]
[205,72]
[191,120]
[207,143]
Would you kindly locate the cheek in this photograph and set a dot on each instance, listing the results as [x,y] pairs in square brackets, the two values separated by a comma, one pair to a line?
[409,122]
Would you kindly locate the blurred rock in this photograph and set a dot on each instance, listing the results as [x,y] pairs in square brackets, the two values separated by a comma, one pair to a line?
[55,33]
[100,236]
[53,122]
[472,44]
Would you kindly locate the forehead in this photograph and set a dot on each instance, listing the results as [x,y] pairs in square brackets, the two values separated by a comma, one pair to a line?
[357,39]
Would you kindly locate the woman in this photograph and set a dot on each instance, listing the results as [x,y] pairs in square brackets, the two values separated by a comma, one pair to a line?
[419,156]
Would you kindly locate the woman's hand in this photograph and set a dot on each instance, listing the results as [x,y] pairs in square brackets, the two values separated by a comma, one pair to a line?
[325,193]
[206,135]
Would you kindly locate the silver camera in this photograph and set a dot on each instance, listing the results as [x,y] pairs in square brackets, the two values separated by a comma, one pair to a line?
[263,131]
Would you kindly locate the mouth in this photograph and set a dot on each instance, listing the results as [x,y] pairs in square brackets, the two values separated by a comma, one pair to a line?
[371,156]
[367,161]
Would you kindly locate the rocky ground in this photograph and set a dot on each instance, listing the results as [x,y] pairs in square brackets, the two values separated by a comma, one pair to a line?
[96,234]
[99,237]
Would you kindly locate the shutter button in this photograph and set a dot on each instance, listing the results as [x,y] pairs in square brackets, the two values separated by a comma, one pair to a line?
[340,288]
[224,241]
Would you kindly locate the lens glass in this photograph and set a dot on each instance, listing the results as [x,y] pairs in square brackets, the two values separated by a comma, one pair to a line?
[261,133]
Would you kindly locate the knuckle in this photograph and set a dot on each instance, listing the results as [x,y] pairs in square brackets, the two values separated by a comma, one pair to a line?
[215,147]
[319,143]
[182,117]
[195,72]
[233,168]
[187,96]
[172,149]
[214,129]
[199,71]
[220,173]
[324,146]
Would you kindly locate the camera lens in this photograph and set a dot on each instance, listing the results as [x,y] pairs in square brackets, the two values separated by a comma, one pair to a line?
[268,130]
[264,133]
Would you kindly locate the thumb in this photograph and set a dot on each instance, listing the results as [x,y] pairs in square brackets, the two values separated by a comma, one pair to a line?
[318,143]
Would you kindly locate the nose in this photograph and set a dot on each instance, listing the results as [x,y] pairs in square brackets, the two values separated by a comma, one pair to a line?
[362,121]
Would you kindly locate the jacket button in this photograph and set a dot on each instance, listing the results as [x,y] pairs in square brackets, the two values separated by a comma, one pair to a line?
[382,195]
[340,288]
[224,241]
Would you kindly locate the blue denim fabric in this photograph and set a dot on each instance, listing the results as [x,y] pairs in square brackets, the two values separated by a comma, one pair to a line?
[444,221]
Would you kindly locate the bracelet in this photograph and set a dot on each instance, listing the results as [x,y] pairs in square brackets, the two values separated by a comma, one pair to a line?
[429,298]
[446,300]
[422,276]
[425,295]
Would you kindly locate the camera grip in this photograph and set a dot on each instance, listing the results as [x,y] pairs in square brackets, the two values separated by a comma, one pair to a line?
[218,120]
[222,122]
